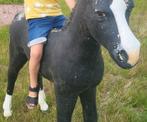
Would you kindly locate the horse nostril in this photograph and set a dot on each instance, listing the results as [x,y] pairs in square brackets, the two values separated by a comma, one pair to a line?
[122,56]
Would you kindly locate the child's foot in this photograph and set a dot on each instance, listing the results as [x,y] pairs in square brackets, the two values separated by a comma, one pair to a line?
[32,98]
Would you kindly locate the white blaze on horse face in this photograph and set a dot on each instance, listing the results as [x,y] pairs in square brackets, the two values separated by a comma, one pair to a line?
[128,41]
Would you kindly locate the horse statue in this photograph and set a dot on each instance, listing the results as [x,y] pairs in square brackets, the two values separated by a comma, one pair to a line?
[72,57]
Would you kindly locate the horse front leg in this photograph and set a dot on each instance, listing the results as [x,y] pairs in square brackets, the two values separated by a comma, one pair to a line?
[41,96]
[16,62]
[88,100]
[65,105]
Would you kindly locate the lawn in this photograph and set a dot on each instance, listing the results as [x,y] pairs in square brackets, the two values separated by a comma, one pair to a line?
[11,1]
[121,96]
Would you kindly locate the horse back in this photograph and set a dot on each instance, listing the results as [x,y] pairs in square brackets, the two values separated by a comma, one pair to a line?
[19,35]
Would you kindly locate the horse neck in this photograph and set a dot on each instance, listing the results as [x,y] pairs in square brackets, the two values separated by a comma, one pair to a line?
[77,26]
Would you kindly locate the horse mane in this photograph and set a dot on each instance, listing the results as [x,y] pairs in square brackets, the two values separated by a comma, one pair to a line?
[69,19]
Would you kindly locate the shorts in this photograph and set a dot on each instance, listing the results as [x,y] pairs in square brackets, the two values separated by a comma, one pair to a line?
[39,28]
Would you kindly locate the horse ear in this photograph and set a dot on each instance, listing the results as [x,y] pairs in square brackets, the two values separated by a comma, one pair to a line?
[98,5]
[101,5]
[130,3]
[130,6]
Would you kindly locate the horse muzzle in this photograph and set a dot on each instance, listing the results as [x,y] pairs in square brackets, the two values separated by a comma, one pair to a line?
[126,59]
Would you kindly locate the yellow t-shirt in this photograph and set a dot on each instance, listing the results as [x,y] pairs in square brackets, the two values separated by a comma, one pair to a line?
[41,8]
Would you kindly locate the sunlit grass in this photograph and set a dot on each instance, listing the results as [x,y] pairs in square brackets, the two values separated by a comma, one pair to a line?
[11,1]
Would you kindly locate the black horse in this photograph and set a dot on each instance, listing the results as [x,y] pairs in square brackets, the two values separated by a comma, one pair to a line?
[72,57]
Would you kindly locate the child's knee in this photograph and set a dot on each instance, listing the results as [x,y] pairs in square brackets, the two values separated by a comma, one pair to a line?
[36,52]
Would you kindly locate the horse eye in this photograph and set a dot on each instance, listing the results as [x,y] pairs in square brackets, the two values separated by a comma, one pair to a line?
[100,13]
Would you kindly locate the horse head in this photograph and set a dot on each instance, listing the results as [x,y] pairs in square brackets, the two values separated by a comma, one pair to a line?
[110,28]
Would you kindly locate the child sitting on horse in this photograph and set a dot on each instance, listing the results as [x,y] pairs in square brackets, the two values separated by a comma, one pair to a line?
[42,16]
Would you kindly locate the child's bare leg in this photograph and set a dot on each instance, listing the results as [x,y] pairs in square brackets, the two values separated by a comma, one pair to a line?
[34,65]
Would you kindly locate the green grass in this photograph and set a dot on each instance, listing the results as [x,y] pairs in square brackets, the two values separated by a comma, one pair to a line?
[11,1]
[121,96]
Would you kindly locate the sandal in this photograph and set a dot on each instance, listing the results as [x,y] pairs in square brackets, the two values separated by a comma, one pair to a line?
[31,102]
